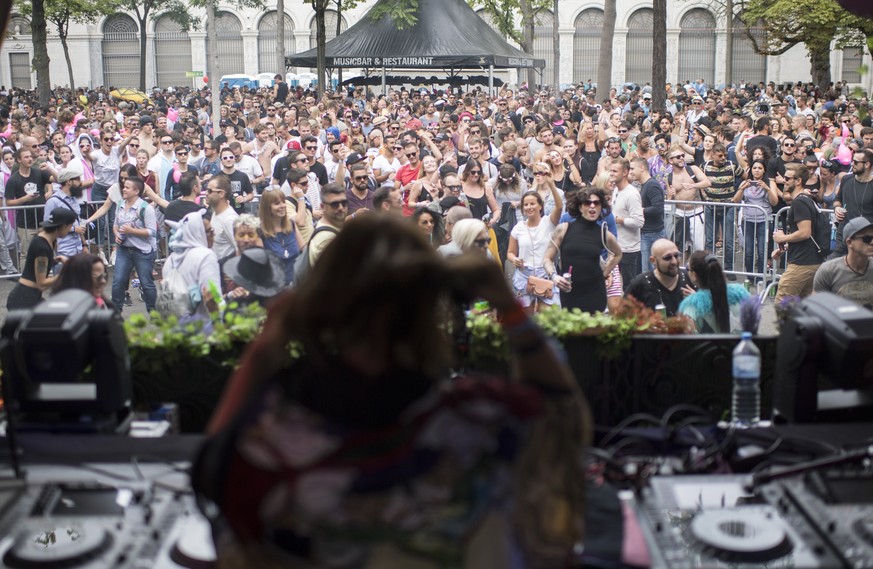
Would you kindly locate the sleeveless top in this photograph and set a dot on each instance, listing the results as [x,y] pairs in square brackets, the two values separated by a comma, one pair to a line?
[478,206]
[580,249]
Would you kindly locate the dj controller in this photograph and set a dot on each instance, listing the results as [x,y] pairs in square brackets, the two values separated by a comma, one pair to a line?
[817,519]
[92,525]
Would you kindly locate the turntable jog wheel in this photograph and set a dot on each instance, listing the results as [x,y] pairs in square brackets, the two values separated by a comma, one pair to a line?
[42,543]
[740,535]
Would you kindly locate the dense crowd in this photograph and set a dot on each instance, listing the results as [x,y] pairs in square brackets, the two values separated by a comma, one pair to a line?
[581,197]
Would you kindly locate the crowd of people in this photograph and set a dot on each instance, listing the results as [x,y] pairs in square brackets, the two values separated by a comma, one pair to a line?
[582,197]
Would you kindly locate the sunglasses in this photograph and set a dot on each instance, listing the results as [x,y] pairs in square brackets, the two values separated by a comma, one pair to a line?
[134,145]
[100,277]
[310,148]
[475,132]
[592,203]
[182,153]
[411,155]
[228,157]
[337,204]
[475,172]
[788,145]
[622,130]
[859,162]
[167,141]
[454,188]
[669,257]
[108,139]
[358,178]
[867,239]
[84,146]
[677,157]
[482,242]
[540,173]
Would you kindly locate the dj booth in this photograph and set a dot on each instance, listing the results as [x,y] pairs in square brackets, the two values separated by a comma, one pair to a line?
[678,492]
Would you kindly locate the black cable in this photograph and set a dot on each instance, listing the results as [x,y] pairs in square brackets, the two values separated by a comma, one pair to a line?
[680,407]
[627,422]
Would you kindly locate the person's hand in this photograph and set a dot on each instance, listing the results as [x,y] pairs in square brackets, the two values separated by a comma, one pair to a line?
[687,291]
[779,179]
[61,259]
[840,213]
[317,214]
[564,284]
[237,293]
[80,230]
[518,263]
[779,236]
[687,186]
[608,279]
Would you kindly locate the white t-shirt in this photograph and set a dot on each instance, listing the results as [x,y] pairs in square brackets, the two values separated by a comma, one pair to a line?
[533,241]
[224,244]
[384,165]
[106,168]
[250,167]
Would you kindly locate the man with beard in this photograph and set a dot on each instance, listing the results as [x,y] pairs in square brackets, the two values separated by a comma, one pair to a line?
[70,180]
[855,197]
[667,284]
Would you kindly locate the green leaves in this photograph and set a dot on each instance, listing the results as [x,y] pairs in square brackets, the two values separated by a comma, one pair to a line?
[403,12]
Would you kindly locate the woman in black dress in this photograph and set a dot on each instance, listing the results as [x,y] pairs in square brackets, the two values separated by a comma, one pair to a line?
[35,275]
[580,243]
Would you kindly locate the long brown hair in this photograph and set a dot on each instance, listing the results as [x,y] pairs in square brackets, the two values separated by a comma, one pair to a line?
[268,218]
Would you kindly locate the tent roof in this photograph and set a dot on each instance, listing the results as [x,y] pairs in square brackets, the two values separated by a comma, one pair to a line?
[448,34]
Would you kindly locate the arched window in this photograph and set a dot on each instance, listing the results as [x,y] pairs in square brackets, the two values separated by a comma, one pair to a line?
[330,17]
[697,47]
[120,52]
[267,38]
[18,26]
[639,47]
[748,66]
[172,53]
[544,43]
[229,44]
[586,44]
[852,59]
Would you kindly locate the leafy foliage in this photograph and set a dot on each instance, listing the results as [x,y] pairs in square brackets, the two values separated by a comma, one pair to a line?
[613,333]
[812,22]
[504,13]
[403,12]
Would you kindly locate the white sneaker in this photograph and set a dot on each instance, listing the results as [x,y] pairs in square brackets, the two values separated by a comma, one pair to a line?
[112,257]
[102,257]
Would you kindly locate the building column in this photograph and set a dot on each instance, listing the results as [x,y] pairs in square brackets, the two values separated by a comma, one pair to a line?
[672,56]
[95,49]
[198,51]
[250,52]
[565,73]
[720,74]
[619,59]
[301,44]
[151,62]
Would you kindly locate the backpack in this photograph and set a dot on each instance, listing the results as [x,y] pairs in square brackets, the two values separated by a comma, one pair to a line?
[303,266]
[821,230]
[173,296]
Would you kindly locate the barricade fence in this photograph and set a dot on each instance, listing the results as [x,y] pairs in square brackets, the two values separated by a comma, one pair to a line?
[19,224]
[736,233]
[780,221]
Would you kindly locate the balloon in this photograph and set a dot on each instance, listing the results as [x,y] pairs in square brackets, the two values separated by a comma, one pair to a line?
[863,8]
[205,79]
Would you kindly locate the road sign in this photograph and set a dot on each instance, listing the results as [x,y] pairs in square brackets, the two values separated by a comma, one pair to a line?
[193,74]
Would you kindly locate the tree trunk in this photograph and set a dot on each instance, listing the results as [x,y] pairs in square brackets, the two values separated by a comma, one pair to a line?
[62,33]
[729,43]
[280,38]
[604,63]
[212,67]
[659,55]
[339,29]
[320,39]
[820,65]
[40,52]
[556,58]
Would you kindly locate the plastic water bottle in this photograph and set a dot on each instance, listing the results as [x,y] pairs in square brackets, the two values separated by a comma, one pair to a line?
[746,411]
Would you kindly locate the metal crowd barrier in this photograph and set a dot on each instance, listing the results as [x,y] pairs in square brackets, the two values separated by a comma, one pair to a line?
[697,229]
[16,250]
[780,221]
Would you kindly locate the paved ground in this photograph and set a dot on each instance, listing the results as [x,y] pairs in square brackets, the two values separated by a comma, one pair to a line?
[768,315]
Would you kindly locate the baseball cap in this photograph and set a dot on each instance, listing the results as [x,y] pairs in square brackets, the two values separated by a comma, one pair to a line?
[353,158]
[145,119]
[293,145]
[647,95]
[67,174]
[414,124]
[852,227]
[440,137]
[58,217]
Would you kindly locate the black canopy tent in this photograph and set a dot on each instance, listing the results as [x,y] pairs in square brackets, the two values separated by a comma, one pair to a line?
[448,35]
